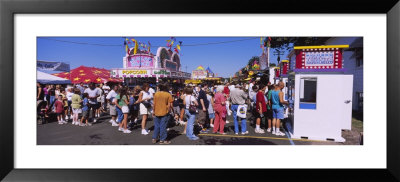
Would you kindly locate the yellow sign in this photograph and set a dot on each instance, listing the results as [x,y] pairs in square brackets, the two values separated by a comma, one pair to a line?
[134,72]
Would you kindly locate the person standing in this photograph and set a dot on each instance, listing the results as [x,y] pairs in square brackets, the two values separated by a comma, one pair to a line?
[113,112]
[220,111]
[69,95]
[202,108]
[85,110]
[145,100]
[122,104]
[269,106]
[133,105]
[93,93]
[40,92]
[76,103]
[52,95]
[277,108]
[238,97]
[211,115]
[59,108]
[162,106]
[190,102]
[261,107]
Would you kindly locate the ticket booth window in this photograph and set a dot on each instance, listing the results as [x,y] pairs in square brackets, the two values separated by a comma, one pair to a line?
[308,93]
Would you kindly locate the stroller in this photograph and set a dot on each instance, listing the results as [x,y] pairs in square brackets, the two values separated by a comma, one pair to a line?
[41,110]
[44,114]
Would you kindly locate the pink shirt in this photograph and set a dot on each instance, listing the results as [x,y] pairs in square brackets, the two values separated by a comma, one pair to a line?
[219,100]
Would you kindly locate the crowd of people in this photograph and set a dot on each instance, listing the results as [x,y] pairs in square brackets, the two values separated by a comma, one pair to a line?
[205,104]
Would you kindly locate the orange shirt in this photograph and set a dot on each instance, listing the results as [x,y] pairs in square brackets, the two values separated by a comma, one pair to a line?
[162,100]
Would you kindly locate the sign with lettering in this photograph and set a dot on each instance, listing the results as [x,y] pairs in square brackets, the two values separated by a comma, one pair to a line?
[52,66]
[325,58]
[199,74]
[134,72]
[161,72]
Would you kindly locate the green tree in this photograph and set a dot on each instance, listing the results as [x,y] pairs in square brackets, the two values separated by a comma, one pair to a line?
[272,64]
[287,42]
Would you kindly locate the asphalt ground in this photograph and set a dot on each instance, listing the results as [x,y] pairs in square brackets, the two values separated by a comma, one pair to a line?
[102,133]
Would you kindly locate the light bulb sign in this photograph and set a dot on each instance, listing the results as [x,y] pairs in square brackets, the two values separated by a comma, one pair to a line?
[319,58]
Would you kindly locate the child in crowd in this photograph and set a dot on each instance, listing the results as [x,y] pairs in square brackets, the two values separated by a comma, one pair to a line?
[85,110]
[211,115]
[59,108]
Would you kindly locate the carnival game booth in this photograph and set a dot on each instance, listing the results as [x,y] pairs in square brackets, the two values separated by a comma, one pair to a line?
[86,75]
[145,67]
[322,93]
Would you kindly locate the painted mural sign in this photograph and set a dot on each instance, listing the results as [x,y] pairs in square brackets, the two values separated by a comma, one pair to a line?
[136,61]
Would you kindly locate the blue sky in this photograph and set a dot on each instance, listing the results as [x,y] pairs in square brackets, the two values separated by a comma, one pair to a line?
[224,59]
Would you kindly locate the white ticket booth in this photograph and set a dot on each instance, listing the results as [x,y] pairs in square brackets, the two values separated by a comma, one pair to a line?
[322,96]
[322,106]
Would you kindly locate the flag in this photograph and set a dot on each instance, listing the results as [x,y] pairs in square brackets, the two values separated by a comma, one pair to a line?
[261,40]
[178,46]
[176,50]
[172,43]
[149,46]
[136,46]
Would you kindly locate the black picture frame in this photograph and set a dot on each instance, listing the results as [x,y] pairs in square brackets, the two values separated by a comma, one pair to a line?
[9,8]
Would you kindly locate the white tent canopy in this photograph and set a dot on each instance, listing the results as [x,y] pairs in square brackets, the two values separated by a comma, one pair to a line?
[45,78]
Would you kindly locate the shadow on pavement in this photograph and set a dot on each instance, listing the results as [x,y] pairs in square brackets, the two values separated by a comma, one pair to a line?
[235,141]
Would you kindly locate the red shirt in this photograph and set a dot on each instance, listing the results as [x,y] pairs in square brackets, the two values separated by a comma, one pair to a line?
[226,90]
[260,99]
[59,106]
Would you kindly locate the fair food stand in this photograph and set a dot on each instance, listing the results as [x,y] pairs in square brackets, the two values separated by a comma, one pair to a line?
[322,93]
[145,67]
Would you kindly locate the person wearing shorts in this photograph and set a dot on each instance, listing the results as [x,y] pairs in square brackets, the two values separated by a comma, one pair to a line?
[85,110]
[93,93]
[113,111]
[277,108]
[268,115]
[145,96]
[76,104]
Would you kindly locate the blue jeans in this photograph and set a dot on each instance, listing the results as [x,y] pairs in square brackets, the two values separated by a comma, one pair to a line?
[189,125]
[235,119]
[120,115]
[160,127]
[52,101]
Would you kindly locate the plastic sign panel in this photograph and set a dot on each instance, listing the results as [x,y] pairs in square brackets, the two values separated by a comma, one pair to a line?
[320,59]
[138,61]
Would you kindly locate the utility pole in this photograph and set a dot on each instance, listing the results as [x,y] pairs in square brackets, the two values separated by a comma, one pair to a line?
[279,54]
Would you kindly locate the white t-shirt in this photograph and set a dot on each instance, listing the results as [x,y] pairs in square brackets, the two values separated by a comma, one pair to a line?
[189,99]
[231,87]
[111,96]
[151,90]
[92,93]
[251,87]
[101,95]
[106,88]
[69,96]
